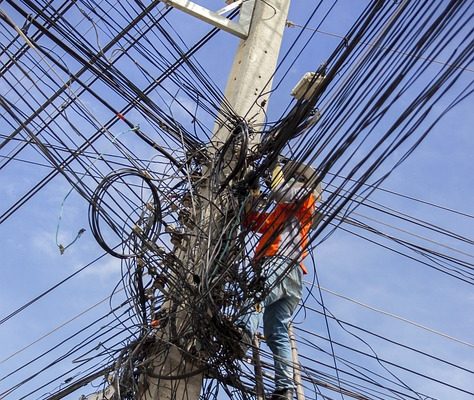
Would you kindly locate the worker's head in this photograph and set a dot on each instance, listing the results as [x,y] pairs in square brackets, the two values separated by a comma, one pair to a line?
[298,174]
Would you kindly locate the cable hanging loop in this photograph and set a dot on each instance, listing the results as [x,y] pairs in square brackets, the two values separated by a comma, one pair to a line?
[146,229]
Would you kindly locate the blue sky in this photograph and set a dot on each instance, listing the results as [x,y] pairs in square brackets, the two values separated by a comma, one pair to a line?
[439,172]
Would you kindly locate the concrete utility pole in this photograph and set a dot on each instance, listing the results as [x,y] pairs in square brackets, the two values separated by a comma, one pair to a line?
[173,377]
[254,64]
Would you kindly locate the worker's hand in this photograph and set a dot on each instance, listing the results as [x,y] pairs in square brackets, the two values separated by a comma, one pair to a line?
[253,199]
[255,192]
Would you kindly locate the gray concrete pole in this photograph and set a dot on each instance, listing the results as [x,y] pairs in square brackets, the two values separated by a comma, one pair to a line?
[250,76]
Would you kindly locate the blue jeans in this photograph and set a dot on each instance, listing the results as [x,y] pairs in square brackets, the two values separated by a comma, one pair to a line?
[284,286]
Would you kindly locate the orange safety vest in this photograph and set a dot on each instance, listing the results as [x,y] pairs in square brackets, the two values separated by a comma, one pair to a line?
[271,224]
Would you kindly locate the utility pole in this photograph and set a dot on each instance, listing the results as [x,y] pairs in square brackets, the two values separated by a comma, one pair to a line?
[172,377]
[251,76]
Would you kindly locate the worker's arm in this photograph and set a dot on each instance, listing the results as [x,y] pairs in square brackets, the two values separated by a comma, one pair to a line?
[252,199]
[254,220]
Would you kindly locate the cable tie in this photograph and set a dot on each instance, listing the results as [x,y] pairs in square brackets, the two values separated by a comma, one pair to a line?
[62,248]
[137,229]
[146,174]
[27,24]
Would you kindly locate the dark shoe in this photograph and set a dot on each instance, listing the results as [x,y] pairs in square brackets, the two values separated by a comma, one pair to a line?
[240,341]
[245,342]
[282,394]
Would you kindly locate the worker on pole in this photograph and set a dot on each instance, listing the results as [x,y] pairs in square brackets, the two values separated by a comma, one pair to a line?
[278,260]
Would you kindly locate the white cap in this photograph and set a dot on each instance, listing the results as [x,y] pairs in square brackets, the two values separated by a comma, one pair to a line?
[304,174]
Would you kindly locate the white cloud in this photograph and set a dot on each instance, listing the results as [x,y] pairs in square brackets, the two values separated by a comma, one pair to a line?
[44,243]
[108,269]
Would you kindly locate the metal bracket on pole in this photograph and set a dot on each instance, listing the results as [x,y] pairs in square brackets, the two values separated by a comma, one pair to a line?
[240,29]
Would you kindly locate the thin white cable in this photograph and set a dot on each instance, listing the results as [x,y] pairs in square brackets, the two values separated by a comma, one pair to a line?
[393,315]
[58,327]
[354,222]
[291,24]
[404,231]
